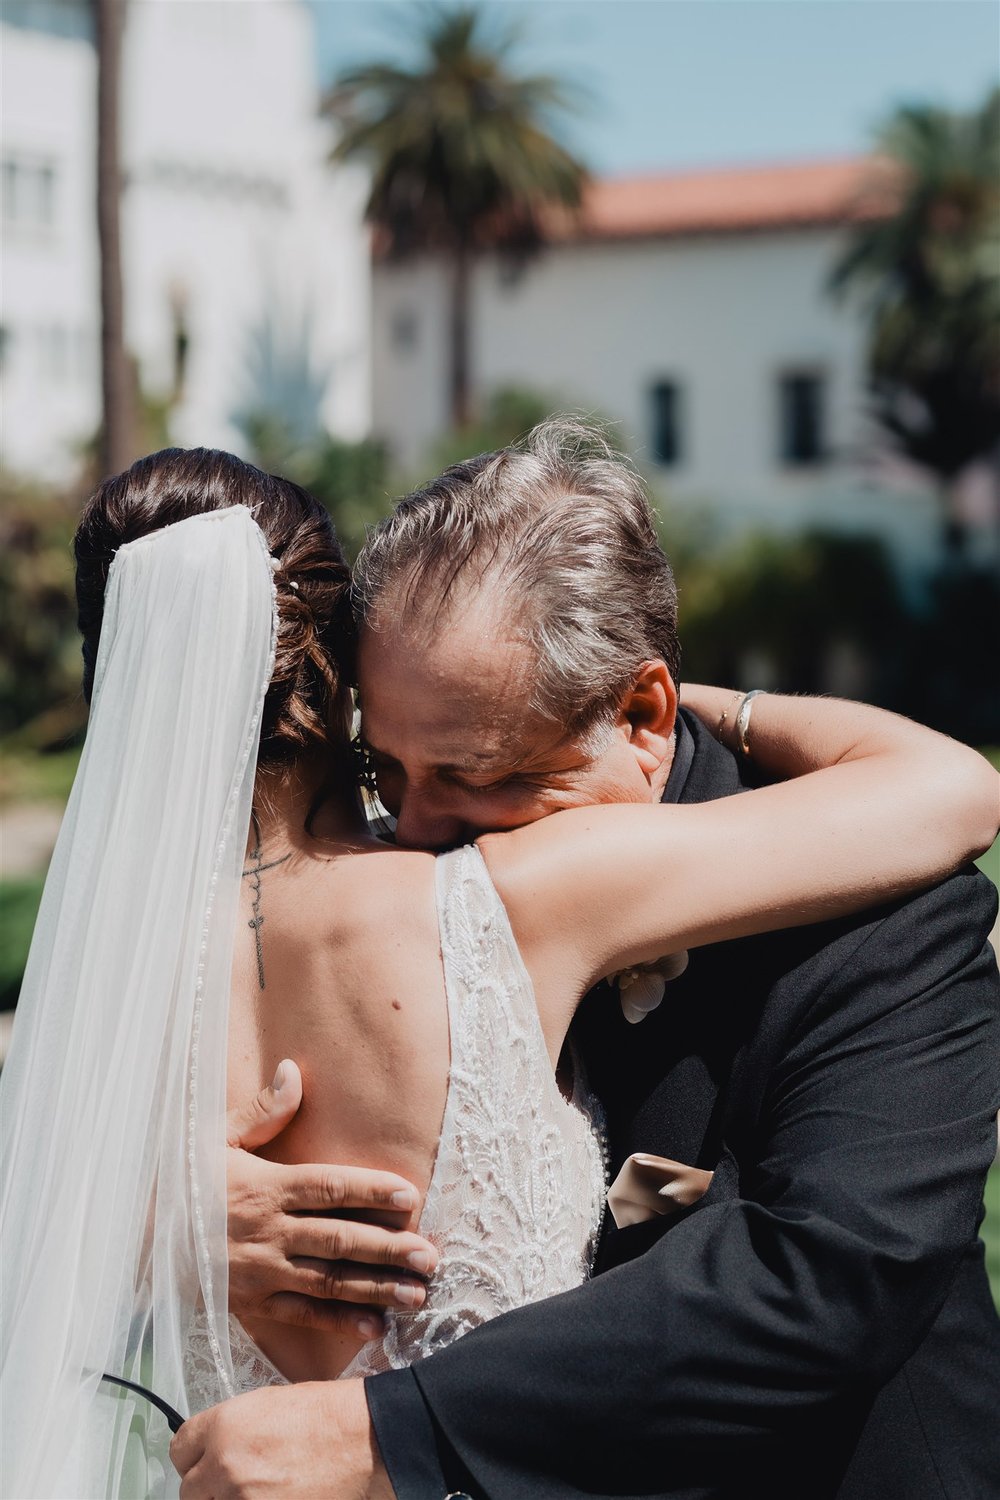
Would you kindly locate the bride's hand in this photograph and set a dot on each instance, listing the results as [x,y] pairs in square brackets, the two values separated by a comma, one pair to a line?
[307,1270]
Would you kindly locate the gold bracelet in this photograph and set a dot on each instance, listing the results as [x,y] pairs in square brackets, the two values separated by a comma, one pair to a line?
[720,727]
[743,721]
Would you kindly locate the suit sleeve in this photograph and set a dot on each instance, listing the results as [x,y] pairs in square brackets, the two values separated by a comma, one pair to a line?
[859,1193]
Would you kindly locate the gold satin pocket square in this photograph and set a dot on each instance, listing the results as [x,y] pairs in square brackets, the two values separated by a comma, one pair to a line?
[648,1187]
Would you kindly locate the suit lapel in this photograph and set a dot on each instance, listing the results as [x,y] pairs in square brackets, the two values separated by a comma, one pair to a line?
[662,1081]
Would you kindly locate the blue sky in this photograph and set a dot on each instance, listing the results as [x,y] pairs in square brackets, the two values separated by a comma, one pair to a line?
[690,83]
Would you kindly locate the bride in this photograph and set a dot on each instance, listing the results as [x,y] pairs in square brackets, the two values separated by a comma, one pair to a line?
[216,903]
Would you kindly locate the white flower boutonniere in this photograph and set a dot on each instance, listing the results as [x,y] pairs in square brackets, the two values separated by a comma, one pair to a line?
[642,989]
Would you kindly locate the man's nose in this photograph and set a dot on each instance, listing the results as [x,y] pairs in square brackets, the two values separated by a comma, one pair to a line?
[422,825]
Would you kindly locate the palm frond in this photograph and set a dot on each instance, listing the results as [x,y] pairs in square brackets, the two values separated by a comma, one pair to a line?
[928,280]
[463,149]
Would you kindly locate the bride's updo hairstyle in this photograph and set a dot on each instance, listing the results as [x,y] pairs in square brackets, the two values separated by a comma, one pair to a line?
[307,703]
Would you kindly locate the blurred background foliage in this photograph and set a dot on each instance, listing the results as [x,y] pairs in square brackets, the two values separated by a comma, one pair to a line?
[39,667]
[929,278]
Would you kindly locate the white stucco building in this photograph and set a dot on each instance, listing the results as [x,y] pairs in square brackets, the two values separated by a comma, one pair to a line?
[694,311]
[246,263]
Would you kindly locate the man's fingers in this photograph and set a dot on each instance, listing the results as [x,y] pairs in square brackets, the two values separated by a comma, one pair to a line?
[345,1281]
[267,1113]
[367,1244]
[332,1317]
[327,1187]
[196,1484]
[187,1445]
[205,1481]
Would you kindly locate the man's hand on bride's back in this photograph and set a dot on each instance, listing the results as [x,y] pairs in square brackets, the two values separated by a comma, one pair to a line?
[288,1260]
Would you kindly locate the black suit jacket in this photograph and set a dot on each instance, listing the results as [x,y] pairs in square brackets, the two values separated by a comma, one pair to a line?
[819,1324]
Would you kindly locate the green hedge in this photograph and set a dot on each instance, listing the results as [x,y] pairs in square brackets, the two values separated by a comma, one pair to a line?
[18,907]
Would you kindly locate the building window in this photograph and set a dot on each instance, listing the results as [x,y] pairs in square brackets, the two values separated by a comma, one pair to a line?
[801,414]
[404,330]
[665,403]
[29,191]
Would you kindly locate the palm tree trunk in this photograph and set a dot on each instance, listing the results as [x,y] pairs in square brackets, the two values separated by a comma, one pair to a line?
[459,337]
[117,432]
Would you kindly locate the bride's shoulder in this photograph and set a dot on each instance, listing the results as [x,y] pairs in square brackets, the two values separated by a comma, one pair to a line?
[384,888]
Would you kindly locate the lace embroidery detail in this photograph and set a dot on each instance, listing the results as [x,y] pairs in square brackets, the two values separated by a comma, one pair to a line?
[251,1366]
[517,1193]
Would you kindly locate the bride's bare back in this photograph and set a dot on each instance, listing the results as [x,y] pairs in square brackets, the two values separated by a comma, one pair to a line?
[354,992]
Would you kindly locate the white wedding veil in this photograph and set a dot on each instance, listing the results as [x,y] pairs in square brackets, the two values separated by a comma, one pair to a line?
[112,1100]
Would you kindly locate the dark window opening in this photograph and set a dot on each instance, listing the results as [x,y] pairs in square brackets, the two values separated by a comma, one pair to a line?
[802,437]
[404,330]
[665,402]
[28,192]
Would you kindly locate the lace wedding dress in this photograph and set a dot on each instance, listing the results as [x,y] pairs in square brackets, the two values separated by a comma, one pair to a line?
[517,1192]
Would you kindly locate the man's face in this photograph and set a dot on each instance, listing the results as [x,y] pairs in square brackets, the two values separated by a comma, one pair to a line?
[458,750]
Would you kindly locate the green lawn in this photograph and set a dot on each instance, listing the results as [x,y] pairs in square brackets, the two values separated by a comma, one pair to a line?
[18,906]
[28,777]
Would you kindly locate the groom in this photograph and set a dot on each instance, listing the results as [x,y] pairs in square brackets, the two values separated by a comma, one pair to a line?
[819,1324]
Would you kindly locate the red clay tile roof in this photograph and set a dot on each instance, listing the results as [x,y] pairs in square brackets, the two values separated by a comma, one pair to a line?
[730,201]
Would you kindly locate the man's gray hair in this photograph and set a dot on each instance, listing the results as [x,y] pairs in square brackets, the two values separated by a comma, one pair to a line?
[563,524]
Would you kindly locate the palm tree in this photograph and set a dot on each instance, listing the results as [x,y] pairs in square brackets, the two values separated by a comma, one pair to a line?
[117,377]
[461,156]
[931,272]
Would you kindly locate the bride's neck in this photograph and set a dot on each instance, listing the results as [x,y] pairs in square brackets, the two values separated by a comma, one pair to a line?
[296,805]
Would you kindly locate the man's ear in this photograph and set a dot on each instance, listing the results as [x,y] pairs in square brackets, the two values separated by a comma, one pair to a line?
[649,711]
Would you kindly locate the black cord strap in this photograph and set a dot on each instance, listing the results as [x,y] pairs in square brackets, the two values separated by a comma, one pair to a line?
[174,1419]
